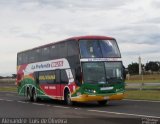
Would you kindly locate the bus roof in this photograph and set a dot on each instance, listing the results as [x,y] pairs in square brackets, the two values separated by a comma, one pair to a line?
[91,37]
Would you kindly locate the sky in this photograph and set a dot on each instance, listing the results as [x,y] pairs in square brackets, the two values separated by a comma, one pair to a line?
[25,24]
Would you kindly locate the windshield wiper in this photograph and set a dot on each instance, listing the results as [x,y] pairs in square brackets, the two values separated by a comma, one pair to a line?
[91,81]
[111,79]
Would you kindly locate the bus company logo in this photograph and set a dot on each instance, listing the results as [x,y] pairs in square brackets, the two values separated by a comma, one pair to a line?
[57,64]
[40,66]
[47,65]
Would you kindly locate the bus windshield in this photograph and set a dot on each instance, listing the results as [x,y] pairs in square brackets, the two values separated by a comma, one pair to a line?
[99,48]
[102,72]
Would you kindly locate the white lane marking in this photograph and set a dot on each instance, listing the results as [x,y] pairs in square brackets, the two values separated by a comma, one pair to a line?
[35,103]
[8,100]
[61,107]
[118,113]
[38,104]
[22,102]
[48,105]
[140,100]
[76,108]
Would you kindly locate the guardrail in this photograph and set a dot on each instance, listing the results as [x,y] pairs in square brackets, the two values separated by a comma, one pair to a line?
[129,86]
[143,86]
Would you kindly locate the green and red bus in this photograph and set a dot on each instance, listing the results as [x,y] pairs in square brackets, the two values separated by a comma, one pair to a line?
[78,69]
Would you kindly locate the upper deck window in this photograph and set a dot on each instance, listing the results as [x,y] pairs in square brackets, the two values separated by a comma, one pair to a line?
[90,49]
[99,48]
[109,48]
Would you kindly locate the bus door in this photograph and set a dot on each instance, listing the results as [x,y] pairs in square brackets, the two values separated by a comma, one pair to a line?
[61,80]
[58,84]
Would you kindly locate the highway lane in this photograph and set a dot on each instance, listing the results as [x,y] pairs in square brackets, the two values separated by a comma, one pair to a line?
[14,106]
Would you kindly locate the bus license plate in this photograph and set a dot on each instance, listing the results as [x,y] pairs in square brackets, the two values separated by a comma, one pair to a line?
[106,97]
[106,88]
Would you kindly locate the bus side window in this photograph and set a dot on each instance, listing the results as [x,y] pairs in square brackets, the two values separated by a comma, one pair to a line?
[31,57]
[25,57]
[64,78]
[54,52]
[46,53]
[62,50]
[19,59]
[38,55]
[58,79]
[72,48]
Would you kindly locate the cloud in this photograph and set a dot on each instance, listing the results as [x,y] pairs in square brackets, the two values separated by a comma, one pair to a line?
[82,4]
[156,3]
[30,23]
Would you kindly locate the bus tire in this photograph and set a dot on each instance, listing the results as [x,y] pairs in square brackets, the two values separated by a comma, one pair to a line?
[67,98]
[102,103]
[34,96]
[28,95]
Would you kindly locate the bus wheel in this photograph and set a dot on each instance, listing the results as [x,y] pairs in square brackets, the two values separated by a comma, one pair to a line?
[28,95]
[102,103]
[34,96]
[68,98]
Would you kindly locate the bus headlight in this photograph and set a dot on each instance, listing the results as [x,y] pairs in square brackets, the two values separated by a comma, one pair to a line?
[94,91]
[90,91]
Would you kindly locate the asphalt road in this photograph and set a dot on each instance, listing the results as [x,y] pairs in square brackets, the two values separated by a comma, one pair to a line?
[116,112]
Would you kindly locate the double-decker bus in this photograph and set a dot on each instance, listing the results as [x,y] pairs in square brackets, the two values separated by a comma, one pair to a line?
[78,69]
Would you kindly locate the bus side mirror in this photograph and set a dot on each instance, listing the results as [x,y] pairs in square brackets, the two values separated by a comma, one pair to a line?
[124,73]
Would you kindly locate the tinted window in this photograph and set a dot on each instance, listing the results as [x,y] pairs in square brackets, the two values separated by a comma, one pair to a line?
[99,48]
[62,50]
[25,56]
[72,48]
[45,53]
[93,72]
[109,48]
[19,58]
[113,70]
[31,56]
[64,78]
[58,51]
[54,52]
[38,55]
[90,48]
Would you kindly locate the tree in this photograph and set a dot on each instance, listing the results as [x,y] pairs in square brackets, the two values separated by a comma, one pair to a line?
[1,77]
[153,66]
[133,68]
[14,75]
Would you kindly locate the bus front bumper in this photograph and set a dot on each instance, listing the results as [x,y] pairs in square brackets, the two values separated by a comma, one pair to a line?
[87,98]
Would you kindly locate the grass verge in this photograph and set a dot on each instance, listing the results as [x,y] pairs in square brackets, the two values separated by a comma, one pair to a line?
[143,94]
[10,89]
